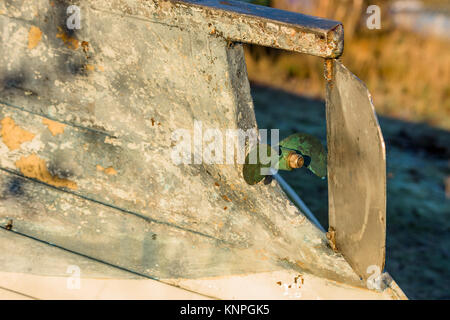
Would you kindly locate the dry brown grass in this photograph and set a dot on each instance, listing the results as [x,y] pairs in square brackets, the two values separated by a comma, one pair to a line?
[407,74]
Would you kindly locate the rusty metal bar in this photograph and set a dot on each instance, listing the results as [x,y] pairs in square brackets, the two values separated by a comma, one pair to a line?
[243,22]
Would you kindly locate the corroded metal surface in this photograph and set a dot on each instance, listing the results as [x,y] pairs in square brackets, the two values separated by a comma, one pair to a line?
[241,22]
[356,172]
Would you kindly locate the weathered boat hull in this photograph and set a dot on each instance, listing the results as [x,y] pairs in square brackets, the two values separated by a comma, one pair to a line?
[87,131]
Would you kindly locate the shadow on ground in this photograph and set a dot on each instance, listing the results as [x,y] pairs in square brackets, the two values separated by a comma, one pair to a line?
[418,212]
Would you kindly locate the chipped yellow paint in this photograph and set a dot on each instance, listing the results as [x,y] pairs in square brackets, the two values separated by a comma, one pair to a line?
[35,167]
[69,41]
[34,37]
[13,135]
[90,67]
[54,127]
[109,170]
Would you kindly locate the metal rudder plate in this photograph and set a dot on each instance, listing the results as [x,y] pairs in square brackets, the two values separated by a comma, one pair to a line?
[356,172]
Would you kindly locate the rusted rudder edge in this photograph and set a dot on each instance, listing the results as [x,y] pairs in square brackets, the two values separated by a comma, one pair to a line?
[240,22]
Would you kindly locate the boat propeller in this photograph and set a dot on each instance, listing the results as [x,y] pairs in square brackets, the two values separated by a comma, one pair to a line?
[299,150]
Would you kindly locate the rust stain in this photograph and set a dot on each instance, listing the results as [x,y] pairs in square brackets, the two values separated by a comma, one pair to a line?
[85,46]
[90,67]
[331,236]
[300,264]
[224,197]
[300,279]
[54,127]
[13,135]
[110,170]
[35,167]
[69,41]
[328,70]
[9,225]
[154,121]
[34,37]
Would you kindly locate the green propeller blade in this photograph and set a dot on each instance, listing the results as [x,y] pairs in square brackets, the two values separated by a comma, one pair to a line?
[310,146]
[252,171]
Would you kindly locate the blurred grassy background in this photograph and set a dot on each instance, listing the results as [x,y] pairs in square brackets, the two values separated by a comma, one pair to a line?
[408,73]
